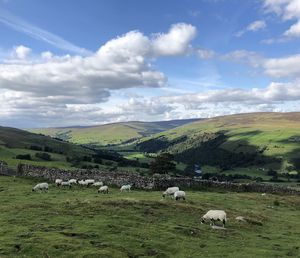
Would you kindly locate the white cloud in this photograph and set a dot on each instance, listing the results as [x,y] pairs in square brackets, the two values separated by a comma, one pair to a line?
[254,26]
[283,67]
[22,52]
[243,56]
[286,10]
[293,31]
[205,53]
[48,88]
[175,42]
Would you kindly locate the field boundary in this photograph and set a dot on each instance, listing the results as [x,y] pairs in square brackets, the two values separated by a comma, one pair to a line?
[156,182]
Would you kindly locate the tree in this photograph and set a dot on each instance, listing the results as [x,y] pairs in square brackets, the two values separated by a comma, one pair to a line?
[162,164]
[43,155]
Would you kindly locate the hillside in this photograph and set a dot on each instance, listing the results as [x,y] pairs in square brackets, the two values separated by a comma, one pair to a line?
[269,140]
[18,146]
[81,223]
[115,133]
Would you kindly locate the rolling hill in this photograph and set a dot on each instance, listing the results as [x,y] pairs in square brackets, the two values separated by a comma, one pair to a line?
[18,146]
[107,134]
[15,142]
[269,140]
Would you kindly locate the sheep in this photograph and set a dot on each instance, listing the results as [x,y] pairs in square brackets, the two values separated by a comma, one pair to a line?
[179,195]
[170,191]
[125,188]
[41,186]
[72,181]
[90,181]
[103,189]
[214,215]
[65,184]
[83,183]
[97,184]
[58,181]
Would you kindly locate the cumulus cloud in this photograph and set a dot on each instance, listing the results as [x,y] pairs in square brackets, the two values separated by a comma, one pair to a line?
[286,10]
[293,31]
[22,52]
[175,42]
[283,67]
[56,84]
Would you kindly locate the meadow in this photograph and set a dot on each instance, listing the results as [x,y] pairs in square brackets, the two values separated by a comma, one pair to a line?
[79,222]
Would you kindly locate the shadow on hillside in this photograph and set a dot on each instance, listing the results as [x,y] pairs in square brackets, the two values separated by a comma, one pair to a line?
[248,134]
[226,154]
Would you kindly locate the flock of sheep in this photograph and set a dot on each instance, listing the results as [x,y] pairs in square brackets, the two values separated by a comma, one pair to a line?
[173,192]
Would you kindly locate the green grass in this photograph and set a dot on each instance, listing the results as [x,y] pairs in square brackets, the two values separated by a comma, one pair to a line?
[81,223]
[115,133]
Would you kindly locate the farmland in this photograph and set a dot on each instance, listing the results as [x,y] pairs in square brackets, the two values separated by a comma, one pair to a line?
[81,223]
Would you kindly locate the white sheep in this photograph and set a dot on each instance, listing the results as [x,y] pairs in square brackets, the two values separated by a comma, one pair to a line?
[103,189]
[41,187]
[58,181]
[125,188]
[90,181]
[179,195]
[214,215]
[72,181]
[83,183]
[66,184]
[97,184]
[170,191]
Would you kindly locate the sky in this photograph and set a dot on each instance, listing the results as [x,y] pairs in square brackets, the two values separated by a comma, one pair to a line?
[65,62]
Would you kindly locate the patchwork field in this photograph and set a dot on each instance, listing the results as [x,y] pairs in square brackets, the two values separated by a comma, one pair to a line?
[81,223]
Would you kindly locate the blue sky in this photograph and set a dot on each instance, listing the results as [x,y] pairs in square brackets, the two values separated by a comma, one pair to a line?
[92,62]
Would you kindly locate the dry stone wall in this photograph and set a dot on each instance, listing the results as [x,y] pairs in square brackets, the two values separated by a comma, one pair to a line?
[156,182]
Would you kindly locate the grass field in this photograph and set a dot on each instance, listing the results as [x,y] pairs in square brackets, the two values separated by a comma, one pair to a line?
[81,223]
[115,133]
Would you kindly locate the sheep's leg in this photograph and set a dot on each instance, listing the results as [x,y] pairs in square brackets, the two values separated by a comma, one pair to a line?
[224,223]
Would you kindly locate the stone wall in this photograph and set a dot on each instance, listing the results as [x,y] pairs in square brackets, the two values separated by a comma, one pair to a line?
[109,178]
[157,182]
[3,168]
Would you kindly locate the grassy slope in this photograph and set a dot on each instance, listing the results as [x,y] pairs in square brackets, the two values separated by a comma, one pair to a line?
[14,141]
[111,133]
[271,130]
[81,223]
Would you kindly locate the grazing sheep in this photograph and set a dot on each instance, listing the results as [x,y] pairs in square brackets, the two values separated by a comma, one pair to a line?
[179,195]
[263,194]
[41,187]
[103,189]
[83,183]
[66,184]
[170,191]
[97,184]
[214,215]
[125,188]
[72,181]
[90,181]
[58,181]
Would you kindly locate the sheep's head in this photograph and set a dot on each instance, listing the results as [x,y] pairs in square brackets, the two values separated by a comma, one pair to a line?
[164,194]
[203,219]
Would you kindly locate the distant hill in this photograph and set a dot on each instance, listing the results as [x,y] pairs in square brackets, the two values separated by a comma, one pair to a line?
[256,139]
[19,146]
[14,142]
[114,133]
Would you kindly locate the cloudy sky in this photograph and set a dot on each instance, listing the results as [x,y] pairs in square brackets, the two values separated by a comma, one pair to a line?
[90,62]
